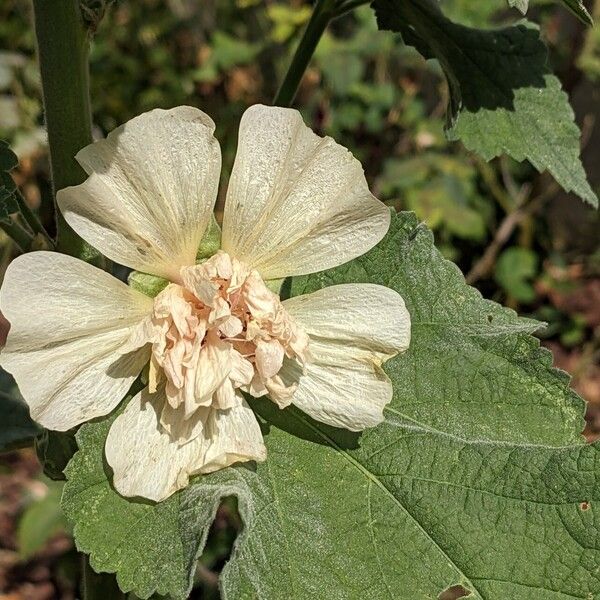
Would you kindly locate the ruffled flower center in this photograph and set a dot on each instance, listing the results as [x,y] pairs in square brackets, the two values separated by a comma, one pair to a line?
[220,331]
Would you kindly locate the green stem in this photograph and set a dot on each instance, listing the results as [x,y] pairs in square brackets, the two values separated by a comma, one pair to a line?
[324,11]
[22,238]
[63,47]
[98,586]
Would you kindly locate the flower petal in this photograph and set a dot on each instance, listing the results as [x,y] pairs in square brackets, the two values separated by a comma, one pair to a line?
[297,203]
[69,321]
[353,329]
[150,192]
[149,462]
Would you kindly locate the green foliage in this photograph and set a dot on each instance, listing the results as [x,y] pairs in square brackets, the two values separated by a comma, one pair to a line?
[54,450]
[514,270]
[589,59]
[480,449]
[227,52]
[503,99]
[17,429]
[8,159]
[42,519]
[478,476]
[441,190]
[8,200]
[286,20]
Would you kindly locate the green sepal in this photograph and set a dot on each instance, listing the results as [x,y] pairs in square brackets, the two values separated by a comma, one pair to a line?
[151,285]
[275,285]
[211,241]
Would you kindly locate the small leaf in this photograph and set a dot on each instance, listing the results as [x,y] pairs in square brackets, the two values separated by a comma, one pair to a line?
[514,270]
[503,98]
[475,479]
[41,521]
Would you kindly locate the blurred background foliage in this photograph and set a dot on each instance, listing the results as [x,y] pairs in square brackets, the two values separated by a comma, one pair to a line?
[513,232]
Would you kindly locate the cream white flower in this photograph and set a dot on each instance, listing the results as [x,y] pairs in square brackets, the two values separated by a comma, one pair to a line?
[296,204]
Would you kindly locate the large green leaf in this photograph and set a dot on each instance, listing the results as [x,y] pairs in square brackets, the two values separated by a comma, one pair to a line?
[503,98]
[478,476]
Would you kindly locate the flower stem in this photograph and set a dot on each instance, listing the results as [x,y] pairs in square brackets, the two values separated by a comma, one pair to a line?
[63,47]
[322,14]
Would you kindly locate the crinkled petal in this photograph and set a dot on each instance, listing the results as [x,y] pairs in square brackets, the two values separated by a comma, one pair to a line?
[297,203]
[269,358]
[150,192]
[149,462]
[69,323]
[214,365]
[353,329]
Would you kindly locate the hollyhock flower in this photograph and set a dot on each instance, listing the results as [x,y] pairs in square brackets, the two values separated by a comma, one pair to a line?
[297,203]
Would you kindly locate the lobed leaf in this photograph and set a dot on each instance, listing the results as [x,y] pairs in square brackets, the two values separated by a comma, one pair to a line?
[503,98]
[478,477]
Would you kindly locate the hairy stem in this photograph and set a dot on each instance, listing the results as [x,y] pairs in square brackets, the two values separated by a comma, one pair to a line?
[63,42]
[324,11]
[63,47]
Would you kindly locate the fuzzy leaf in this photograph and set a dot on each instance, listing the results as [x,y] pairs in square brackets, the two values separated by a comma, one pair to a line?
[503,98]
[478,476]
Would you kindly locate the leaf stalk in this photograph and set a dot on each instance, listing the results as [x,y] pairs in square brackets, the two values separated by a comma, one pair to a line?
[324,11]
